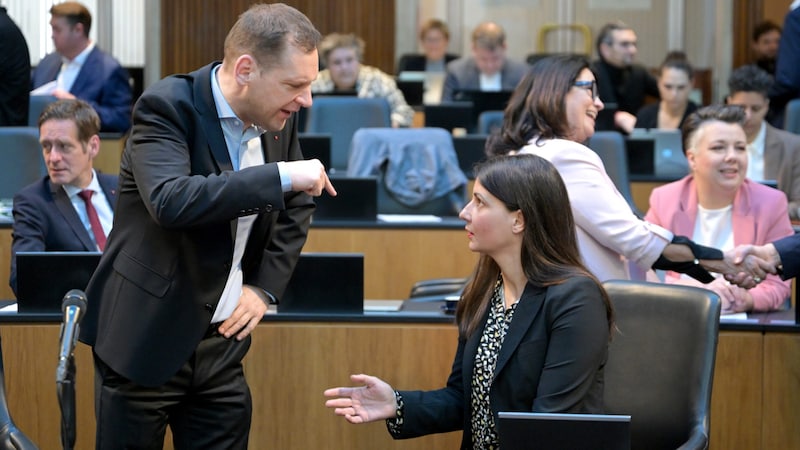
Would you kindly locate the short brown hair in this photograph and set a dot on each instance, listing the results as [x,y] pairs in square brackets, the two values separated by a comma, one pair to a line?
[85,117]
[340,40]
[265,31]
[434,24]
[733,114]
[75,13]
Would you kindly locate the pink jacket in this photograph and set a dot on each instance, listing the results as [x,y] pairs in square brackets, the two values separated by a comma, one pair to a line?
[759,216]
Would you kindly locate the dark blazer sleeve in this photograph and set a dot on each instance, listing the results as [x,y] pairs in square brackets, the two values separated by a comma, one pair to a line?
[647,117]
[104,84]
[789,250]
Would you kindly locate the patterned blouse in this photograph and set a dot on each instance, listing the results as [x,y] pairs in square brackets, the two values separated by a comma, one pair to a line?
[372,83]
[484,431]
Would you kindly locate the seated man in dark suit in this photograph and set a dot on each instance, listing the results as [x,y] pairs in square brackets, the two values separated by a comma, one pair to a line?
[79,69]
[488,69]
[623,85]
[71,209]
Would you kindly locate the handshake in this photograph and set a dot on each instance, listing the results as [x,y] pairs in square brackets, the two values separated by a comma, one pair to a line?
[747,265]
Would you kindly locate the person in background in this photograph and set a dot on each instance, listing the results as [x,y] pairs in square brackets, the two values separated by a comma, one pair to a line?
[72,208]
[488,68]
[534,324]
[766,39]
[773,154]
[550,114]
[434,36]
[718,206]
[675,81]
[787,67]
[214,206]
[15,72]
[80,69]
[342,55]
[623,84]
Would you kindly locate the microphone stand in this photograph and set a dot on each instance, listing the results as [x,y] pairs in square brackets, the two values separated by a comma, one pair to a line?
[65,388]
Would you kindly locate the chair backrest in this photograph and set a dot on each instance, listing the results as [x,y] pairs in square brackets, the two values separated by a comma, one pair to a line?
[660,366]
[791,119]
[610,146]
[36,105]
[417,169]
[21,155]
[489,121]
[341,117]
[470,150]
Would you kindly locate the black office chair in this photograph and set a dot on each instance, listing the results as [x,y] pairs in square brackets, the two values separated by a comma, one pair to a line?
[11,438]
[490,121]
[791,118]
[20,150]
[660,366]
[610,146]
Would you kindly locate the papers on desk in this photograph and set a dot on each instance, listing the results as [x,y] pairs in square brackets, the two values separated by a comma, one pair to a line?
[12,308]
[408,218]
[45,89]
[736,318]
[382,305]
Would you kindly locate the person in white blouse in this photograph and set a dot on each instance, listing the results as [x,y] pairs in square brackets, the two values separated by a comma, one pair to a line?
[550,114]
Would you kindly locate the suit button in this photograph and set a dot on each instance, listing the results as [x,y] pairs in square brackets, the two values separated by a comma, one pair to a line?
[209,307]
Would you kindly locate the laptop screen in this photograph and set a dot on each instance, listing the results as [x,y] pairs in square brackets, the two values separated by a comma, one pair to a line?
[552,431]
[326,283]
[356,199]
[44,277]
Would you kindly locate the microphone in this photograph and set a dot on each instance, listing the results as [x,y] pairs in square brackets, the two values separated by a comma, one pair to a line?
[74,308]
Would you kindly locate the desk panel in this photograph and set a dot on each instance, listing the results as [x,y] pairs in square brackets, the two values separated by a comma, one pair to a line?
[5,262]
[291,363]
[395,258]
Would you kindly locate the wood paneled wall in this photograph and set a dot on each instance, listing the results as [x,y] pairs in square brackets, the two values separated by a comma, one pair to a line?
[193,31]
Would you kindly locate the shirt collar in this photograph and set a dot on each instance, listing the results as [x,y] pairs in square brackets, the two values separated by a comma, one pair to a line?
[757,145]
[93,186]
[81,58]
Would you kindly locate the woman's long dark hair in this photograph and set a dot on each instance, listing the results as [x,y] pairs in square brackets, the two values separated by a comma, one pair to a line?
[550,255]
[537,108]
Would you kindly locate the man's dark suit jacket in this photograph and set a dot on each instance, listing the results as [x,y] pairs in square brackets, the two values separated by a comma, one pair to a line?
[45,220]
[621,90]
[551,360]
[169,255]
[463,74]
[102,82]
[789,250]
[15,68]
[415,62]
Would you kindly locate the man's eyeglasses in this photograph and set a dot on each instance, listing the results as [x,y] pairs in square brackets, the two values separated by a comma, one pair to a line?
[590,86]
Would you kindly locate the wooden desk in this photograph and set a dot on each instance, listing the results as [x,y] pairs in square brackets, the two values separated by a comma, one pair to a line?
[755,402]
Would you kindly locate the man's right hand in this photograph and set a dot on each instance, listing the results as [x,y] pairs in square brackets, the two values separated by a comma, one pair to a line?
[309,176]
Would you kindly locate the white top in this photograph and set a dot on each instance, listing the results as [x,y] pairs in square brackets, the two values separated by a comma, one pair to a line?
[755,155]
[492,83]
[608,232]
[70,69]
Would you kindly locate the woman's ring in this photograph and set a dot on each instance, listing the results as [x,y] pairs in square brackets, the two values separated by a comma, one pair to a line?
[757,280]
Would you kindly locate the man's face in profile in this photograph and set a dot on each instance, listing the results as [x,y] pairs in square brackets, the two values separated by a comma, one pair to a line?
[621,51]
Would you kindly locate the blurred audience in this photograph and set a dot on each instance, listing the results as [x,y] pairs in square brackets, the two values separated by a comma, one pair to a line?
[766,37]
[488,68]
[623,84]
[15,72]
[675,81]
[80,69]
[342,55]
[434,36]
[717,206]
[773,154]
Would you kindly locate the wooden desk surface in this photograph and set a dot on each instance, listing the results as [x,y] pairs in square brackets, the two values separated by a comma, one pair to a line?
[754,402]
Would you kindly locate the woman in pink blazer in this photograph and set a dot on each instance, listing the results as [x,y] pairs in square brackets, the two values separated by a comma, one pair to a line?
[717,206]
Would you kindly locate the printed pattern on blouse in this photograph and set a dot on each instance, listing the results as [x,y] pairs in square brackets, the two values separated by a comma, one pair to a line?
[484,431]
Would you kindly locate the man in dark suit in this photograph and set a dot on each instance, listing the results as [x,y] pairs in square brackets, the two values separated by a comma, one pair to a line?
[15,68]
[50,214]
[488,69]
[78,68]
[213,210]
[622,84]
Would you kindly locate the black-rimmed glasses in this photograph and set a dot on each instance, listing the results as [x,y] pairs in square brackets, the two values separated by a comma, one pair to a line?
[590,86]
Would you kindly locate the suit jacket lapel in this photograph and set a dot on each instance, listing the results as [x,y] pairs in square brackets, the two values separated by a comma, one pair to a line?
[204,103]
[109,190]
[66,209]
[528,307]
[744,222]
[89,66]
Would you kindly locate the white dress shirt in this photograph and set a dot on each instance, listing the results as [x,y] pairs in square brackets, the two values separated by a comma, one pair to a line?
[70,69]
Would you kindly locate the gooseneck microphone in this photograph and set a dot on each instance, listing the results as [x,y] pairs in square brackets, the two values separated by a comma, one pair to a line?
[74,308]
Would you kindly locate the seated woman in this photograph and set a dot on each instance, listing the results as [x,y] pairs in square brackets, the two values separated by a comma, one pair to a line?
[434,36]
[342,55]
[675,79]
[533,324]
[551,113]
[717,206]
